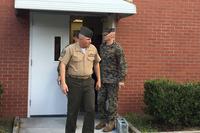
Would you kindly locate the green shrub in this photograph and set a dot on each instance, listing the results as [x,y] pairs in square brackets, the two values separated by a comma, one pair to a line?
[172,103]
[6,124]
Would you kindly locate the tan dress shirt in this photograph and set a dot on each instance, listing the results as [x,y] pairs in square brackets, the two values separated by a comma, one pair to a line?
[77,62]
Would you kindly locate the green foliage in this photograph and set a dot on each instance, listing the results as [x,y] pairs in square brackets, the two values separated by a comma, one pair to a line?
[172,103]
[141,122]
[6,125]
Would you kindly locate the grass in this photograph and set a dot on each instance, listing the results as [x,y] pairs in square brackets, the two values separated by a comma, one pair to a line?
[146,124]
[141,122]
[6,125]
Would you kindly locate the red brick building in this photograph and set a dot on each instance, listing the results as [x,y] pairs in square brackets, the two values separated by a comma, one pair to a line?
[161,40]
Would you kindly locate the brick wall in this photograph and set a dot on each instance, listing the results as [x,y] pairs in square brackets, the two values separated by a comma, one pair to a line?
[161,40]
[14,52]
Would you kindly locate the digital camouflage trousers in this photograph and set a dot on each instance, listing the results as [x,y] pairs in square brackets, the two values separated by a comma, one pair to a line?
[107,101]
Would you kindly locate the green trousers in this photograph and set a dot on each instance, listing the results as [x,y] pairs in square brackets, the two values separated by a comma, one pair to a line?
[80,90]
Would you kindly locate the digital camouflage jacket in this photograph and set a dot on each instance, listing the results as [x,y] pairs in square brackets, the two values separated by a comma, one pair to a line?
[113,64]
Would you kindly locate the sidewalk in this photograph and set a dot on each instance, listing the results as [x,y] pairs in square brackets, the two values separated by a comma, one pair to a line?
[49,125]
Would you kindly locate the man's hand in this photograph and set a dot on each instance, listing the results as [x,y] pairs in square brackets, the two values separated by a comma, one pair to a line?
[64,88]
[121,84]
[58,80]
[98,85]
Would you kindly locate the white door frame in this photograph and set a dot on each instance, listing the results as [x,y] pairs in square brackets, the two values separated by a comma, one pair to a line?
[30,62]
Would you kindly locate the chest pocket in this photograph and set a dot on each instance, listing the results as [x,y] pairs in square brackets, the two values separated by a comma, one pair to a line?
[91,57]
[77,57]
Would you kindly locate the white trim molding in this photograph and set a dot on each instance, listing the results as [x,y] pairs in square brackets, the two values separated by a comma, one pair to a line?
[90,6]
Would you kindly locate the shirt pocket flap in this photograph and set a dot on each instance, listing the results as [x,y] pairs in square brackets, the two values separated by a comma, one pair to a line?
[91,58]
[77,57]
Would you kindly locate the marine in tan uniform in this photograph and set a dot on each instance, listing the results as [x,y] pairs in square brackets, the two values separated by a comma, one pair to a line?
[80,58]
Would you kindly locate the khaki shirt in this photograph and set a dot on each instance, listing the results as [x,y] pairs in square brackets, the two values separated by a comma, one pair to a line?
[77,62]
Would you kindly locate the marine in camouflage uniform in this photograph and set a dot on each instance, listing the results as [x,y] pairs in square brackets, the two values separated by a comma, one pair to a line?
[113,71]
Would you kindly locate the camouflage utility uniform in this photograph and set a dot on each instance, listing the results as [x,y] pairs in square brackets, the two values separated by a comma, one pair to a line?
[113,70]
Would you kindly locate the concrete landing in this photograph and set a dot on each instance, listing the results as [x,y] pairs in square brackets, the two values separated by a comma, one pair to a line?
[50,125]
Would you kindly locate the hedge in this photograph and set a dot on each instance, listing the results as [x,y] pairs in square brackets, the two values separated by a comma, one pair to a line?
[173,103]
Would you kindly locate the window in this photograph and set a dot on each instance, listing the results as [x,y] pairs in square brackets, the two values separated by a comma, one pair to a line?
[57,46]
